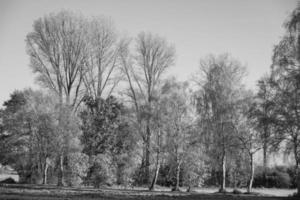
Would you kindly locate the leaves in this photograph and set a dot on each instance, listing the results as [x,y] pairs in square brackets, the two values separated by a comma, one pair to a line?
[101,121]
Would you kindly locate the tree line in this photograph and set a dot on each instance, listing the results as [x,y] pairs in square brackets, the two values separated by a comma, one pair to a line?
[108,114]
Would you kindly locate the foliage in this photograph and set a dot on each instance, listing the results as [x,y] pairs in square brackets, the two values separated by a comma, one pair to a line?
[143,70]
[195,168]
[106,132]
[78,165]
[101,171]
[277,177]
[285,82]
[218,100]
[176,121]
[100,121]
[29,127]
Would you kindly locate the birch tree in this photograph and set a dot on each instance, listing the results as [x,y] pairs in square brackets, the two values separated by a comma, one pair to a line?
[220,82]
[248,136]
[262,112]
[179,122]
[285,74]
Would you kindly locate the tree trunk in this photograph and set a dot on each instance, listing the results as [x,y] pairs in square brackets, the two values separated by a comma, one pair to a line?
[298,181]
[251,173]
[223,186]
[188,189]
[177,177]
[176,188]
[147,154]
[265,159]
[297,176]
[297,157]
[234,180]
[60,155]
[143,165]
[45,173]
[60,171]
[297,173]
[152,186]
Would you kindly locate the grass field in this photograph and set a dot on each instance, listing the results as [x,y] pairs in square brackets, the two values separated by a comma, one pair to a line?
[53,192]
[261,191]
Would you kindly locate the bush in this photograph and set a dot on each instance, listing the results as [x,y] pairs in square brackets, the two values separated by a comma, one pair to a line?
[77,168]
[236,191]
[101,171]
[8,181]
[124,169]
[166,175]
[292,173]
[276,177]
[195,170]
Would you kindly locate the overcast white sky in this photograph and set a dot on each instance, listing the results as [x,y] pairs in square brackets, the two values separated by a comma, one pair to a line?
[248,30]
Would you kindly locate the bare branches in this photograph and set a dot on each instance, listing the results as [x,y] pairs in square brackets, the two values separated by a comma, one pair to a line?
[153,57]
[143,70]
[102,63]
[57,51]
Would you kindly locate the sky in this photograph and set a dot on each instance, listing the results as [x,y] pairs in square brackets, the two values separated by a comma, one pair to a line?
[247,30]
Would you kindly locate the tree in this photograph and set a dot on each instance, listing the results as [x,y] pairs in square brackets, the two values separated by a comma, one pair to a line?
[100,121]
[178,122]
[247,134]
[217,100]
[143,71]
[285,76]
[57,51]
[106,133]
[262,112]
[29,134]
[158,143]
[78,163]
[13,130]
[124,151]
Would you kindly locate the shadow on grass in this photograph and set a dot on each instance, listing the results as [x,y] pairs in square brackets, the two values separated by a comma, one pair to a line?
[51,192]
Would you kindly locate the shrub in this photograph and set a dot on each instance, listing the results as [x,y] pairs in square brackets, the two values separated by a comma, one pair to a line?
[101,171]
[124,169]
[236,191]
[8,181]
[276,177]
[166,174]
[77,168]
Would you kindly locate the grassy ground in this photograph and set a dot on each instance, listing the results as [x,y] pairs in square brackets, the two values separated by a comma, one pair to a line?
[52,192]
[261,191]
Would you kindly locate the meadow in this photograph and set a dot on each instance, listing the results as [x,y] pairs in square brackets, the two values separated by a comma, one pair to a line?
[19,191]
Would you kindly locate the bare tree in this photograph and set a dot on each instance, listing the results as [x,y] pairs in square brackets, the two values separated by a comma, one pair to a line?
[102,61]
[57,51]
[143,71]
